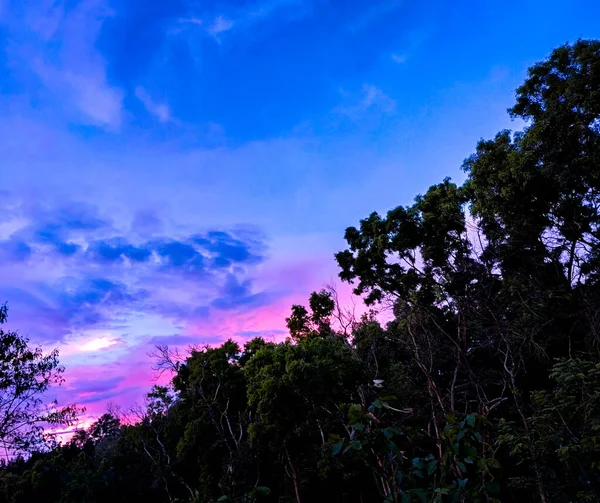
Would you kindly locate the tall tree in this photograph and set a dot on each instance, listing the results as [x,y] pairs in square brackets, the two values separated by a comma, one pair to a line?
[26,375]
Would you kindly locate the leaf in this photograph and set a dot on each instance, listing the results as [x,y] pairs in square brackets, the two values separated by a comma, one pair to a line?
[399,478]
[358,426]
[494,463]
[462,483]
[388,433]
[471,451]
[223,498]
[356,445]
[431,467]
[336,448]
[461,466]
[378,404]
[417,463]
[493,487]
[478,437]
[471,420]
[421,494]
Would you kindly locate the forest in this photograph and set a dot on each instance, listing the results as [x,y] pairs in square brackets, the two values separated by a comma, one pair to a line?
[474,376]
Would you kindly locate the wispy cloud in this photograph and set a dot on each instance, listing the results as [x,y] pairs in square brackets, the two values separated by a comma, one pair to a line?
[370,98]
[235,17]
[398,58]
[220,25]
[376,11]
[159,110]
[73,70]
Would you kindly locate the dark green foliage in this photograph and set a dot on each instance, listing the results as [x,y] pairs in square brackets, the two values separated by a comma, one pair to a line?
[25,376]
[483,387]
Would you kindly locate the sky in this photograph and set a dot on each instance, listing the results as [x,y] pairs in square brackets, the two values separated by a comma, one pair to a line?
[182,172]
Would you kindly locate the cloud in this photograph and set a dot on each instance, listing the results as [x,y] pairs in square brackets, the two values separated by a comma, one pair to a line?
[161,111]
[226,249]
[371,99]
[220,25]
[103,310]
[374,96]
[398,58]
[117,249]
[377,11]
[183,340]
[146,223]
[238,294]
[97,344]
[88,275]
[58,44]
[236,18]
[265,334]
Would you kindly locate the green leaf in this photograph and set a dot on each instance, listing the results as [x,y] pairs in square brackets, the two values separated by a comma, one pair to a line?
[478,437]
[471,420]
[493,487]
[378,404]
[223,498]
[336,448]
[356,445]
[462,483]
[417,463]
[358,426]
[421,494]
[390,432]
[394,448]
[399,478]
[494,463]
[461,466]
[431,467]
[471,451]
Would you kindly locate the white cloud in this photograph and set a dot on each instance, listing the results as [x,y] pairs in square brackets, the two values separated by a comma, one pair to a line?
[377,11]
[371,98]
[73,71]
[220,25]
[193,20]
[399,58]
[93,97]
[97,344]
[243,18]
[159,110]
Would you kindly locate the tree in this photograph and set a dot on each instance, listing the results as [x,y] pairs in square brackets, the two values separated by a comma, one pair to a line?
[493,279]
[26,375]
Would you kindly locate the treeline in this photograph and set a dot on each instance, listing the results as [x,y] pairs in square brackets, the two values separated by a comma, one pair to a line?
[484,386]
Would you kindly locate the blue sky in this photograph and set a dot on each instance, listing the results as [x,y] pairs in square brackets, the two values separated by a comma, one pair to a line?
[183,171]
